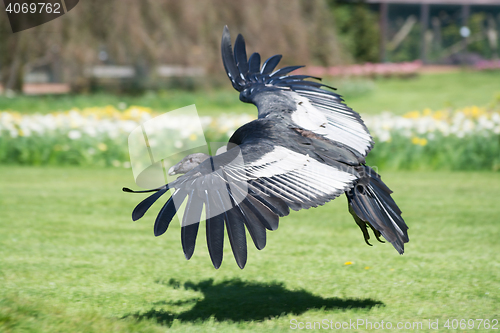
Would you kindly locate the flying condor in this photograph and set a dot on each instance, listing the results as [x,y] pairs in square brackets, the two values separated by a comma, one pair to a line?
[306,148]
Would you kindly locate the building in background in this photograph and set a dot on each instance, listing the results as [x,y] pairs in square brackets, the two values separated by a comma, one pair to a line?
[438,31]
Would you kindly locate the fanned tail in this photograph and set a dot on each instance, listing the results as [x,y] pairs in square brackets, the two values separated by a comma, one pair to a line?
[370,203]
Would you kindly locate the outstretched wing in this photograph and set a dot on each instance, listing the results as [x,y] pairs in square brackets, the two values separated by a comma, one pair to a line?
[312,107]
[251,186]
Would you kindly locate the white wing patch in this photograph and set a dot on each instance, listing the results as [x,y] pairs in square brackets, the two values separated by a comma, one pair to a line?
[324,114]
[308,117]
[299,176]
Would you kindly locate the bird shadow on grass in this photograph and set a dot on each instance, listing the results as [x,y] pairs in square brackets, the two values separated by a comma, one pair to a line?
[237,301]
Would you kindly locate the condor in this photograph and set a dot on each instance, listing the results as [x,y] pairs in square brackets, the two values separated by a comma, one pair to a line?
[306,148]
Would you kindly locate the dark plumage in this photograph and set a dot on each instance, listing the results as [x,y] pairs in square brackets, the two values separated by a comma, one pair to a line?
[306,148]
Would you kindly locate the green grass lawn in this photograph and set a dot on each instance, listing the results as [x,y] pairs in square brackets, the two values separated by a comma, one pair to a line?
[209,102]
[71,260]
[435,91]
[457,89]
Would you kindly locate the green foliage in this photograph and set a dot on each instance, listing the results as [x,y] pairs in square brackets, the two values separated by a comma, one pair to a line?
[58,149]
[435,91]
[409,49]
[71,260]
[208,101]
[463,144]
[476,152]
[148,33]
[478,25]
[358,30]
[445,38]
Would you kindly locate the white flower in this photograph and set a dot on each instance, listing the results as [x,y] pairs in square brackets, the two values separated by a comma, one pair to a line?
[384,136]
[89,130]
[74,134]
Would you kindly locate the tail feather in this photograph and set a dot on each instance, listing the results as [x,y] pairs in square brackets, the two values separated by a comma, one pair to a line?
[370,204]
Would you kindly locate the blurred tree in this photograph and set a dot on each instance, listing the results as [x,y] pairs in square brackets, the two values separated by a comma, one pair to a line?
[478,26]
[358,29]
[409,49]
[150,32]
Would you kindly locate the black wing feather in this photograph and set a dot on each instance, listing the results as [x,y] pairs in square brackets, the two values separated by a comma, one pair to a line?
[240,56]
[235,229]
[228,60]
[215,230]
[270,64]
[191,223]
[168,212]
[255,228]
[254,63]
[144,205]
[285,71]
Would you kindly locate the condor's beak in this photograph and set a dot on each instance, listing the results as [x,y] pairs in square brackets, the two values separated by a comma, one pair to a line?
[171,171]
